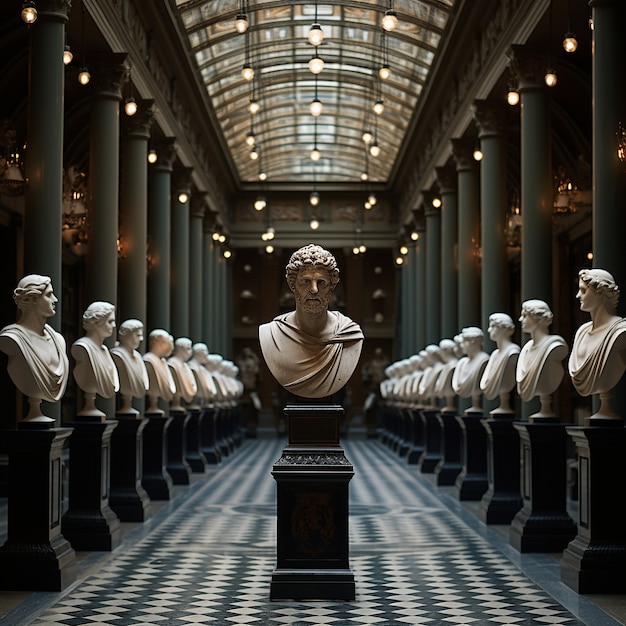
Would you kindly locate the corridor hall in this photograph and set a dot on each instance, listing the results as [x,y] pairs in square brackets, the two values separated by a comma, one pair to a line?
[419,556]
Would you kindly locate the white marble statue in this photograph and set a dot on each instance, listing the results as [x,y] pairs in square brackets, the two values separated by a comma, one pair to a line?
[443,385]
[499,376]
[161,382]
[133,375]
[598,356]
[540,363]
[434,364]
[207,391]
[37,357]
[312,352]
[470,368]
[95,372]
[186,386]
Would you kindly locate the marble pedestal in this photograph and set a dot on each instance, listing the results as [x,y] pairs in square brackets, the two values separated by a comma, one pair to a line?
[208,436]
[471,483]
[177,464]
[449,466]
[128,498]
[36,556]
[90,523]
[595,560]
[312,477]
[403,443]
[432,441]
[156,479]
[503,499]
[193,453]
[543,524]
[416,449]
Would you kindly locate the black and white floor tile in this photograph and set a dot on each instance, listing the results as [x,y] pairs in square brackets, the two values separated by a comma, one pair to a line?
[415,559]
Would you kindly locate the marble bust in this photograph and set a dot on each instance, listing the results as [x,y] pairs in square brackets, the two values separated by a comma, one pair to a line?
[312,352]
[499,376]
[161,382]
[133,375]
[434,364]
[37,359]
[186,387]
[207,391]
[469,369]
[95,371]
[539,368]
[443,385]
[598,356]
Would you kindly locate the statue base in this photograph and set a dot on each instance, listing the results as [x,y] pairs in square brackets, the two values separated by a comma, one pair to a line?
[208,437]
[177,465]
[194,457]
[156,479]
[312,477]
[432,450]
[449,466]
[472,481]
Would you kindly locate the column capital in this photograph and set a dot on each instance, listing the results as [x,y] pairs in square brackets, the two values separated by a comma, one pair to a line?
[489,117]
[138,126]
[182,179]
[462,150]
[529,65]
[446,175]
[53,10]
[198,205]
[109,74]
[166,150]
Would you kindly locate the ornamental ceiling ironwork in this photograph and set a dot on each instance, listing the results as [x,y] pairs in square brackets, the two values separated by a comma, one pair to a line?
[355,46]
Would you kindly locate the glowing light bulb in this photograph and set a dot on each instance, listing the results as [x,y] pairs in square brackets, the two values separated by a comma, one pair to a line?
[316,35]
[379,107]
[84,76]
[316,108]
[375,150]
[316,65]
[512,96]
[254,106]
[384,72]
[314,224]
[570,43]
[550,77]
[247,73]
[67,56]
[130,106]
[390,20]
[152,156]
[250,138]
[367,136]
[316,155]
[314,198]
[260,203]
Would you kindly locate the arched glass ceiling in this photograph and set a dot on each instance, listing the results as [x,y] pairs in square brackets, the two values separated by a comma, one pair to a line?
[275,45]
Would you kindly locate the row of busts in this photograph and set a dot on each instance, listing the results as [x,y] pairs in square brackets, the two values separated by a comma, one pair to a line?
[460,367]
[177,372]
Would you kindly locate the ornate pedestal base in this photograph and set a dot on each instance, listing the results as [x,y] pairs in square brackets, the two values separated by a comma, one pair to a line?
[36,556]
[502,499]
[416,449]
[194,457]
[128,498]
[472,482]
[312,478]
[156,479]
[449,466]
[208,436]
[542,525]
[177,465]
[595,561]
[90,523]
[432,443]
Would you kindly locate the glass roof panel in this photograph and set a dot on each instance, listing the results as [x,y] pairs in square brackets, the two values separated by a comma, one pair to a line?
[276,46]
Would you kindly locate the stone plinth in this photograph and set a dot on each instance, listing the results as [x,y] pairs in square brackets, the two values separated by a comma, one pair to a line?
[472,483]
[193,453]
[449,466]
[432,441]
[177,464]
[156,479]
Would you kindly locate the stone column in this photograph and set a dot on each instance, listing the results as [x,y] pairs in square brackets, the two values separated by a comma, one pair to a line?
[408,314]
[433,275]
[208,289]
[159,252]
[536,174]
[196,274]
[490,119]
[179,293]
[420,289]
[468,234]
[449,239]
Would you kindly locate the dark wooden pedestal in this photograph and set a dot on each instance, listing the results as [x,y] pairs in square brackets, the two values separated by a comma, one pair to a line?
[416,449]
[208,436]
[542,525]
[595,560]
[403,443]
[194,457]
[503,499]
[177,465]
[472,482]
[449,466]
[156,479]
[90,523]
[312,477]
[128,498]
[432,441]
[36,556]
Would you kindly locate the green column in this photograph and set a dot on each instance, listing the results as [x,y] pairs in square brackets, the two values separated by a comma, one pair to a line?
[449,239]
[407,328]
[420,290]
[468,234]
[210,305]
[196,267]
[44,153]
[159,224]
[433,275]
[132,266]
[537,199]
[490,119]
[179,293]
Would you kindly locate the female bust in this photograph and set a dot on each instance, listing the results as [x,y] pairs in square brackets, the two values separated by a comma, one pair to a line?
[598,357]
[95,372]
[37,363]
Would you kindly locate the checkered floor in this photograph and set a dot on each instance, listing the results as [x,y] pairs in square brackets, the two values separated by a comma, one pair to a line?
[210,560]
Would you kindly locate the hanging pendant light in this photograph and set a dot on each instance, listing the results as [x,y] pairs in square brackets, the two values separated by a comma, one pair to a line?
[316,64]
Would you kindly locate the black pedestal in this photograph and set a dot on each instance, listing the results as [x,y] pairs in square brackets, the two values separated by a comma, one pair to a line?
[208,436]
[90,523]
[542,525]
[128,498]
[156,479]
[194,456]
[36,556]
[472,482]
[502,499]
[416,449]
[432,441]
[312,477]
[403,444]
[595,560]
[449,466]
[177,465]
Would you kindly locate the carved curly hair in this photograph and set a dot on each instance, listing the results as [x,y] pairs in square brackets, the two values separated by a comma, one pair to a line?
[311,255]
